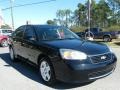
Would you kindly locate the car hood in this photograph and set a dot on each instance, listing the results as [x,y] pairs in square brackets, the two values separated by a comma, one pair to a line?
[88,47]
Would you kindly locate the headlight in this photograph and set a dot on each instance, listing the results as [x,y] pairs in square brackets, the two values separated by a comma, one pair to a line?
[72,54]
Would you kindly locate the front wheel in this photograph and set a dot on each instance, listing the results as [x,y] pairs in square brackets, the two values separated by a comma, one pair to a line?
[46,71]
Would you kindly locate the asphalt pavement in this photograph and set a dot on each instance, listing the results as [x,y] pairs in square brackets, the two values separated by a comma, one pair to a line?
[21,76]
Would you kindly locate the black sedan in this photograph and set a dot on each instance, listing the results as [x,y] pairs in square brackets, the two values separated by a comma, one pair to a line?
[60,54]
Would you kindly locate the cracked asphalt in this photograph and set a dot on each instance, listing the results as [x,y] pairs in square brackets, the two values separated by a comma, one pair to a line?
[21,76]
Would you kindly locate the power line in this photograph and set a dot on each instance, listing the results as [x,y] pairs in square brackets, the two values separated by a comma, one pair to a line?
[29,4]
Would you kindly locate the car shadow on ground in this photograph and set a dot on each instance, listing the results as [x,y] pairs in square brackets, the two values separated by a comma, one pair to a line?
[32,73]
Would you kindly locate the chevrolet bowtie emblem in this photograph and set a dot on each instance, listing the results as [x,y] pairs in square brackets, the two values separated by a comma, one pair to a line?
[103,57]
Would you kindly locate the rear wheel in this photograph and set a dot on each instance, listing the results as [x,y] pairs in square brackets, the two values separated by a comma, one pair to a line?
[12,55]
[107,39]
[4,43]
[46,71]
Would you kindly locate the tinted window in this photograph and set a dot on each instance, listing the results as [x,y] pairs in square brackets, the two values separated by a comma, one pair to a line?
[93,30]
[29,33]
[19,32]
[55,34]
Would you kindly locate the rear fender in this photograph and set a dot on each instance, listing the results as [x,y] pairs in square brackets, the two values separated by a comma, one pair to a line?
[3,38]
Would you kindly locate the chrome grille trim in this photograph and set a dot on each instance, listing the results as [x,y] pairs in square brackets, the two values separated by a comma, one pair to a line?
[98,55]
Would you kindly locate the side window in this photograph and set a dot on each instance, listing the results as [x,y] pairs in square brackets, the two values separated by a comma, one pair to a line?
[94,30]
[29,34]
[41,33]
[86,30]
[19,32]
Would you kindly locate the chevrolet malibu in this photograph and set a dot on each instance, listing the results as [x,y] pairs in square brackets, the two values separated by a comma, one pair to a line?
[60,54]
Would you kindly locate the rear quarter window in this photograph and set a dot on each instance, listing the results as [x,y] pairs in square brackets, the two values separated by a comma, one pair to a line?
[19,32]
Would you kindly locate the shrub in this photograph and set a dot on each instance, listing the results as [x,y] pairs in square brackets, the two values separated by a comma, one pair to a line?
[78,28]
[112,28]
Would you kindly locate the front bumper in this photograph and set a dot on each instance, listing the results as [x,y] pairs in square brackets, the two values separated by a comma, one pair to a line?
[79,72]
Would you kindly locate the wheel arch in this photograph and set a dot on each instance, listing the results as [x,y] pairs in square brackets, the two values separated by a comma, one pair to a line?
[106,35]
[1,40]
[40,57]
[53,74]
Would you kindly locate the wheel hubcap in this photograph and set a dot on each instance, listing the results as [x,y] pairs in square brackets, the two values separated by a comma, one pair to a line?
[45,71]
[4,43]
[106,39]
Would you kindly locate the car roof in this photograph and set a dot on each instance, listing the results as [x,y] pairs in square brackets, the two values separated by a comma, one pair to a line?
[45,26]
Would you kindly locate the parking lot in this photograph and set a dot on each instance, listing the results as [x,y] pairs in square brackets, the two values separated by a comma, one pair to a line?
[21,76]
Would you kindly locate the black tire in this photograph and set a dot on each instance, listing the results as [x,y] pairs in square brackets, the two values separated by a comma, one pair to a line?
[12,55]
[4,43]
[48,80]
[107,39]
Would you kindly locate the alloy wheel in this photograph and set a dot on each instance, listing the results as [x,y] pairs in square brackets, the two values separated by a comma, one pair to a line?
[45,71]
[4,43]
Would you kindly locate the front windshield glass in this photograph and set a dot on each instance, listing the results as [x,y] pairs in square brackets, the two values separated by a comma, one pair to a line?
[56,34]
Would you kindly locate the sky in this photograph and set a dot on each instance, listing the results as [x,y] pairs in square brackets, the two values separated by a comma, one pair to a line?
[36,14]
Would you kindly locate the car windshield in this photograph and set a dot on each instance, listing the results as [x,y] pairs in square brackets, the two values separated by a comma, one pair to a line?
[6,31]
[56,34]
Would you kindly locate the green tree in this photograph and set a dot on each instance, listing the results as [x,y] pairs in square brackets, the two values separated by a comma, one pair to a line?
[103,12]
[100,13]
[80,15]
[68,17]
[115,6]
[60,14]
[51,22]
[64,17]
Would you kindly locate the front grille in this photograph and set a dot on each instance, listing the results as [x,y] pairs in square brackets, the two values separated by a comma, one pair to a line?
[101,58]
